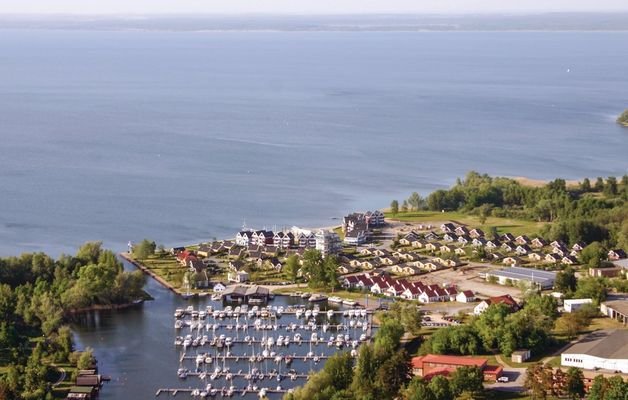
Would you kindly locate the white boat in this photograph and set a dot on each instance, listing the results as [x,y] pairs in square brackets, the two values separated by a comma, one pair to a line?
[330,314]
[334,299]
[348,302]
[317,298]
[178,324]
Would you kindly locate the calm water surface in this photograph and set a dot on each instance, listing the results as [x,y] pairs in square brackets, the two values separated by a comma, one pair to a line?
[180,137]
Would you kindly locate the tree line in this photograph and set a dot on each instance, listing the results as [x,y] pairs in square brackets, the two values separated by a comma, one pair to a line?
[588,212]
[36,293]
[499,329]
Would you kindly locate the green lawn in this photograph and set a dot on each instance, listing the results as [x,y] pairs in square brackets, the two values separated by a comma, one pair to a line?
[503,225]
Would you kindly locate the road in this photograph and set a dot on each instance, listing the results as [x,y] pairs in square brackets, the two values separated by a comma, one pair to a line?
[516,378]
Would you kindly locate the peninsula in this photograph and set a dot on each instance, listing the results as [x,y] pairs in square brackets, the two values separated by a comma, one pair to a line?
[623,118]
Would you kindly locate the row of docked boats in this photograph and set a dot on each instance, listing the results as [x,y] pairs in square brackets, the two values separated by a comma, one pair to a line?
[267,342]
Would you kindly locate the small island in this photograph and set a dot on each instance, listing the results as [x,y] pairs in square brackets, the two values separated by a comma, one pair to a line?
[623,118]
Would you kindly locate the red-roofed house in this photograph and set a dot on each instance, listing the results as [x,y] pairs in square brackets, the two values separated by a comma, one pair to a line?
[432,364]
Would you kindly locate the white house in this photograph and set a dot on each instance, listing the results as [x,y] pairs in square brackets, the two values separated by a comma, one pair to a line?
[572,305]
[466,296]
[480,308]
[219,287]
[238,277]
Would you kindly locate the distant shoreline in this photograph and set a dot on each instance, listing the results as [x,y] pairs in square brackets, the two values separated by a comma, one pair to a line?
[294,22]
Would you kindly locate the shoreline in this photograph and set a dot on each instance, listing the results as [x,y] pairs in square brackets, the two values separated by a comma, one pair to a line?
[103,307]
[147,271]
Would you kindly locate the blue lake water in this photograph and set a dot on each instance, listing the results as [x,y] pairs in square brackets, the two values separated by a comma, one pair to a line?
[179,137]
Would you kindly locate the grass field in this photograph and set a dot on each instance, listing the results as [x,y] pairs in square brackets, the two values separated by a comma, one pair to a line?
[503,225]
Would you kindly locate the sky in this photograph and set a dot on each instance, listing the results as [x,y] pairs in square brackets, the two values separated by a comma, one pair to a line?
[304,6]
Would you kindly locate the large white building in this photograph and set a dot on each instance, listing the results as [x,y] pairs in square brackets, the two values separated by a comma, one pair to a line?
[541,279]
[328,242]
[607,350]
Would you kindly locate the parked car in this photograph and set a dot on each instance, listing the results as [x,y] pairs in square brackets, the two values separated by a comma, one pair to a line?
[502,379]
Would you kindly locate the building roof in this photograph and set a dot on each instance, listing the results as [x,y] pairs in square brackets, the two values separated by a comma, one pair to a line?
[620,306]
[623,263]
[610,344]
[539,276]
[493,369]
[417,362]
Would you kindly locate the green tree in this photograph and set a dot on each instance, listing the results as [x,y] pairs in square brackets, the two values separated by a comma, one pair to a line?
[593,254]
[439,385]
[539,381]
[393,373]
[617,389]
[86,359]
[89,252]
[144,249]
[566,280]
[585,185]
[418,389]
[467,379]
[598,388]
[365,371]
[415,201]
[292,267]
[394,207]
[599,184]
[575,383]
[610,188]
[592,288]
[571,324]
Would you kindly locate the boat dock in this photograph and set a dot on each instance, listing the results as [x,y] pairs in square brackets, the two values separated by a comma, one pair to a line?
[258,358]
[222,391]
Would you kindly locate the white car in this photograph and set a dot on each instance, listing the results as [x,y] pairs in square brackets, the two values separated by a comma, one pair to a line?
[502,379]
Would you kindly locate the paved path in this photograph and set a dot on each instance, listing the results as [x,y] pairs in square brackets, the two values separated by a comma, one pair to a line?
[61,378]
[516,378]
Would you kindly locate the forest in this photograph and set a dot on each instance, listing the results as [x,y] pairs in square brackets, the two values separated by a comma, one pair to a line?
[37,295]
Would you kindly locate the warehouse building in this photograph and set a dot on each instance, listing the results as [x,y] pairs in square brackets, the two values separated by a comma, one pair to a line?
[514,275]
[606,350]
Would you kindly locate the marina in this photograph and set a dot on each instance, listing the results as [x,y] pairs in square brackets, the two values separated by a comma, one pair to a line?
[260,351]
